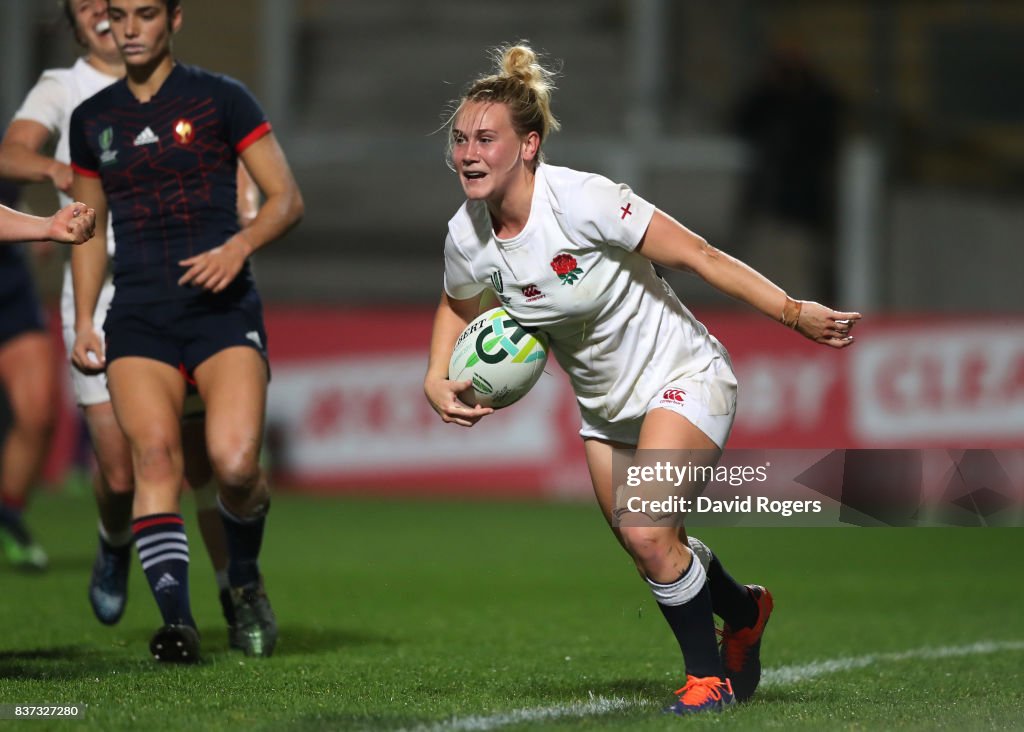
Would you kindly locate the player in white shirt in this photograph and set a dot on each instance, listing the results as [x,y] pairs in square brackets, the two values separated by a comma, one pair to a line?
[45,114]
[573,253]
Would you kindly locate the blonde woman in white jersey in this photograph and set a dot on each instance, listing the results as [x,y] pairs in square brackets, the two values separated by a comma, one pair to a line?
[575,254]
[46,114]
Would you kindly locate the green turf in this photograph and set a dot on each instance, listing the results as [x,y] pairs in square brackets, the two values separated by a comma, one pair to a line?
[406,614]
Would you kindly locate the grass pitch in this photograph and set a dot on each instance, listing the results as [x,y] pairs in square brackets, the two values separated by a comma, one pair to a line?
[457,616]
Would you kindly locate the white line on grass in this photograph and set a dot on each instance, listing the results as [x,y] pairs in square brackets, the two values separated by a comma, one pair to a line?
[781,676]
[596,706]
[788,675]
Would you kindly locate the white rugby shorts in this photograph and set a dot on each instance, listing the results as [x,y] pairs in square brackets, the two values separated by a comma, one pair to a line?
[89,389]
[706,399]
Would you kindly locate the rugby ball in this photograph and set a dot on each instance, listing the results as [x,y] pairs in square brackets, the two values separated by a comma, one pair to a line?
[502,358]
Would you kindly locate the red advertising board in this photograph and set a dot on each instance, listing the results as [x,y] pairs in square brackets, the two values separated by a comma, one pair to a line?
[346,409]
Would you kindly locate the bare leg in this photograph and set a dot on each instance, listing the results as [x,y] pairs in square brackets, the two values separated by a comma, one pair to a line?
[113,487]
[233,384]
[199,474]
[658,545]
[28,375]
[147,397]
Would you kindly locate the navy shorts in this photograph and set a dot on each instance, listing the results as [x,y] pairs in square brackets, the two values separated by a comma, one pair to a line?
[184,333]
[20,311]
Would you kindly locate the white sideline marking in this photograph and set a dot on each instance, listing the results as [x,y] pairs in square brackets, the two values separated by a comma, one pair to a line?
[788,675]
[597,706]
[781,676]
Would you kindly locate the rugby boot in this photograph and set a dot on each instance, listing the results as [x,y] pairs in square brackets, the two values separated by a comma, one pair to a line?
[704,694]
[108,587]
[741,648]
[255,630]
[228,610]
[21,549]
[175,644]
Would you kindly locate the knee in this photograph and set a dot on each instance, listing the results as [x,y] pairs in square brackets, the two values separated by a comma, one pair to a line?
[237,469]
[649,546]
[115,460]
[246,498]
[155,458]
[120,479]
[37,420]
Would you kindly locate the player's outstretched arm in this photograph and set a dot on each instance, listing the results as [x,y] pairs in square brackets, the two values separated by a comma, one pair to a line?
[281,210]
[73,224]
[451,319]
[671,244]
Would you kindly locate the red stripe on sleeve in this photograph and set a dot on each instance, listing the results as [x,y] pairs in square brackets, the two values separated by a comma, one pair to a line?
[263,129]
[85,171]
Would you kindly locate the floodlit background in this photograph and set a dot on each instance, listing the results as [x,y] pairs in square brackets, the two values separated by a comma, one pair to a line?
[900,122]
[866,154]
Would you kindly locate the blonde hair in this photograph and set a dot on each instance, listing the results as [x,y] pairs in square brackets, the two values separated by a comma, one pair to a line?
[523,85]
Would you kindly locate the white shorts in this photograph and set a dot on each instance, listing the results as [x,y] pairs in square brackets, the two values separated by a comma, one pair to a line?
[89,389]
[707,400]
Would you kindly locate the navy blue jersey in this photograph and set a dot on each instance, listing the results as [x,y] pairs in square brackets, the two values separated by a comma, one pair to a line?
[168,168]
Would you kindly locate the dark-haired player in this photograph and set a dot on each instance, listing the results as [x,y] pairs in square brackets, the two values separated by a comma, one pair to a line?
[45,115]
[159,150]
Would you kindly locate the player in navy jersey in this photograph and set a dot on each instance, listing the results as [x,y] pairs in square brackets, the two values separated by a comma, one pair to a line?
[45,116]
[27,373]
[158,151]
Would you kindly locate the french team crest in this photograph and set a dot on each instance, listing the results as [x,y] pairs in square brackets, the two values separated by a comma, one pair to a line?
[567,269]
[184,132]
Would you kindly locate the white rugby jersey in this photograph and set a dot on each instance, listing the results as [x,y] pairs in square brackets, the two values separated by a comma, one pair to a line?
[55,96]
[615,326]
[50,103]
[52,99]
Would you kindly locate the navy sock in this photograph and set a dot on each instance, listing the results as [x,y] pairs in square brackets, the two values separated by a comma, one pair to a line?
[244,539]
[163,550]
[693,625]
[731,601]
[686,606]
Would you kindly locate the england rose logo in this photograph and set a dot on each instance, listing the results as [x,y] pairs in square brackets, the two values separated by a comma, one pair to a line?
[566,268]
